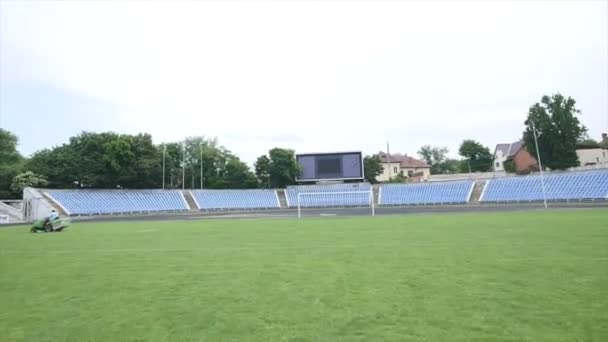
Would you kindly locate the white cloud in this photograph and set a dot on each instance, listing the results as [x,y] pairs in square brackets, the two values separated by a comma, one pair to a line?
[331,74]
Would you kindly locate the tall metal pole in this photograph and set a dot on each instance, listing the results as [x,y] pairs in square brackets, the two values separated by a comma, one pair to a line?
[299,207]
[388,159]
[183,166]
[164,153]
[201,147]
[540,165]
[371,195]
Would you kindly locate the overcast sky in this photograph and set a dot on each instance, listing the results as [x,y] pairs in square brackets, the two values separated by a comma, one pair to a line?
[312,76]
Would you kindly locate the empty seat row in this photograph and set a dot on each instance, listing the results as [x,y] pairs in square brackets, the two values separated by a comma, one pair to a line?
[426,193]
[88,202]
[557,187]
[235,199]
[335,195]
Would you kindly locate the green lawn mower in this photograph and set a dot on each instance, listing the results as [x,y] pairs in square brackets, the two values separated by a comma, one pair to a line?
[49,226]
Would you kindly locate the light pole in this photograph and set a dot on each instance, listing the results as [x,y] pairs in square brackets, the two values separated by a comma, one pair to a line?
[183,166]
[164,153]
[201,148]
[540,165]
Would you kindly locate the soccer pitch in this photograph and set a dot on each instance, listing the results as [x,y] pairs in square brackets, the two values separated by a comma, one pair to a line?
[533,276]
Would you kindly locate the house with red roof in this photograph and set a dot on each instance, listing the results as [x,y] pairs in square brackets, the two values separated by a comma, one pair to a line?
[524,161]
[414,169]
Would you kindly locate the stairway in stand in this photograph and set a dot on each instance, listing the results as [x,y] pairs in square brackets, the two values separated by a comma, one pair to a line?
[282,198]
[190,200]
[477,189]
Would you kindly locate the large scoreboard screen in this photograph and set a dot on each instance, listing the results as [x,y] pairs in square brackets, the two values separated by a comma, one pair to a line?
[330,166]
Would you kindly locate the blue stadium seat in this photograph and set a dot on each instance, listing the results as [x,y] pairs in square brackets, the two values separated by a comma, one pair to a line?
[235,199]
[558,187]
[456,192]
[335,195]
[90,202]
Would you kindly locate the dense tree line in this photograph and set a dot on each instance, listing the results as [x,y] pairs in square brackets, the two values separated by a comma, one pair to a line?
[112,160]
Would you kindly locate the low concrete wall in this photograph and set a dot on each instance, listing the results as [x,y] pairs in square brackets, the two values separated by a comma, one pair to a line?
[463,176]
[497,174]
[14,214]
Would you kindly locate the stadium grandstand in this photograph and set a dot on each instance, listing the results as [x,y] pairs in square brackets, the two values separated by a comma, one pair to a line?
[580,186]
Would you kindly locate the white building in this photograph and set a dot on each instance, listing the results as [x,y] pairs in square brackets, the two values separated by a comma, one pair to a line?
[416,170]
[504,152]
[592,156]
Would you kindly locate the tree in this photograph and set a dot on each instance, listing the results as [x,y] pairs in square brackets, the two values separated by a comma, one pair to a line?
[588,143]
[558,131]
[452,166]
[8,148]
[478,157]
[214,158]
[509,166]
[221,168]
[283,167]
[238,175]
[147,171]
[10,162]
[398,178]
[372,167]
[27,179]
[101,160]
[58,165]
[173,164]
[132,161]
[436,157]
[262,170]
[604,143]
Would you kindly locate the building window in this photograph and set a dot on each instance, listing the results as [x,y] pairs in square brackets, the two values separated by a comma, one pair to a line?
[395,171]
[604,154]
[410,173]
[497,164]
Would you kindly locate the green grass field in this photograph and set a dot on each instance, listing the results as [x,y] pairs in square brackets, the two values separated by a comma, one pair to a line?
[500,276]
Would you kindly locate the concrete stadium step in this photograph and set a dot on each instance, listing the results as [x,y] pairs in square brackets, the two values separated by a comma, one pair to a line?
[282,198]
[477,189]
[376,191]
[190,200]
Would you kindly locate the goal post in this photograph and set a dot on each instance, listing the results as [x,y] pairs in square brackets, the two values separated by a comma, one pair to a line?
[336,199]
